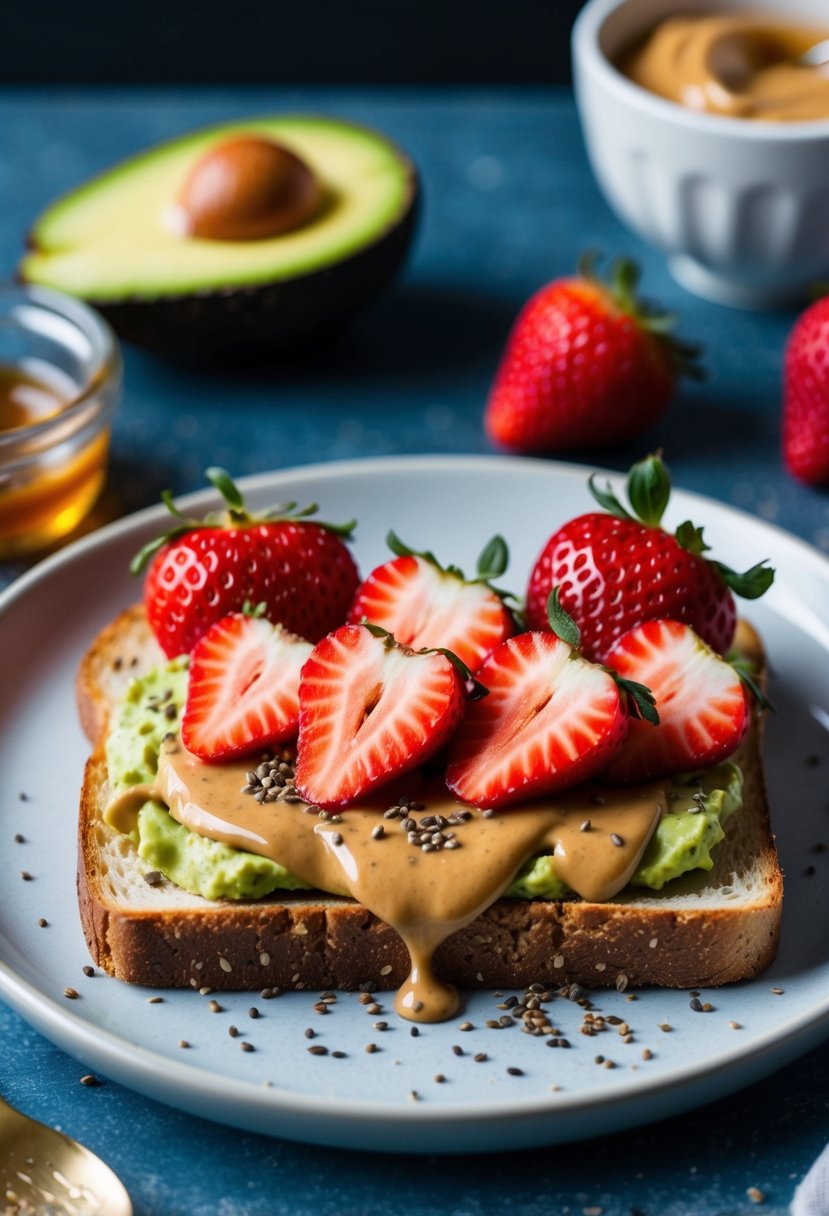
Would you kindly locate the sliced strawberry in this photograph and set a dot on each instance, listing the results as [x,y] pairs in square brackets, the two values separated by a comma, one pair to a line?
[424,604]
[550,721]
[243,692]
[370,710]
[703,710]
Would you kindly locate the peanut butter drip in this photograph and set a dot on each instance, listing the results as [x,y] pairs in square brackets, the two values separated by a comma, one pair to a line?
[425,896]
[247,189]
[742,65]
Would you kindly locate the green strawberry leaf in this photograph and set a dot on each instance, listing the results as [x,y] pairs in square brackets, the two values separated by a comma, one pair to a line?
[145,555]
[493,560]
[690,538]
[649,488]
[641,701]
[750,585]
[748,676]
[400,549]
[224,483]
[607,499]
[561,623]
[255,611]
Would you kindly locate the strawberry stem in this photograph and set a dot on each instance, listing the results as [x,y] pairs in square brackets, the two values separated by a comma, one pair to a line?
[621,284]
[648,491]
[236,515]
[474,688]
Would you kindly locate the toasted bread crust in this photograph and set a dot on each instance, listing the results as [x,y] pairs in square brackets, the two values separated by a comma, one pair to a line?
[307,940]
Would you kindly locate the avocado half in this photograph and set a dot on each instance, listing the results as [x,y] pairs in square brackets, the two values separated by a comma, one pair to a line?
[111,243]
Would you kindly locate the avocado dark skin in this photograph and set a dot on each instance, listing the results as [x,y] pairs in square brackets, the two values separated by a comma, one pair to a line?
[281,319]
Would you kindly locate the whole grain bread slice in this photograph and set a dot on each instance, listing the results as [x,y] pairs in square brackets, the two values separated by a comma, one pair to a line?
[703,930]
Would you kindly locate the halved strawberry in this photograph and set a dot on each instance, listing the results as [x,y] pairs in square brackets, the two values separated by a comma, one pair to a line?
[424,604]
[551,720]
[703,709]
[243,692]
[370,710]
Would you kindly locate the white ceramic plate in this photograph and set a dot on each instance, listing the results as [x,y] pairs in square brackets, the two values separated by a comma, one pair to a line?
[365,1100]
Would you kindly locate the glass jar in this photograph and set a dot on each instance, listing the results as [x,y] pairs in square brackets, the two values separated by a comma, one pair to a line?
[53,460]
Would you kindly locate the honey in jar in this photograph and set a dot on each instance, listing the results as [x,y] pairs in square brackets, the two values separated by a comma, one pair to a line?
[53,462]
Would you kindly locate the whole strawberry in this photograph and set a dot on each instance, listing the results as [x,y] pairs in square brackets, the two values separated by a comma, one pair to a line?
[616,570]
[586,363]
[806,397]
[202,570]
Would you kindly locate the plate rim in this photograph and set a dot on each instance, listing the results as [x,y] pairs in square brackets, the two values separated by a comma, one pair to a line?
[67,1026]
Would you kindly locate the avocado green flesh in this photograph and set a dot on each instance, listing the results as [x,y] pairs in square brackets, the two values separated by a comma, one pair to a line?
[206,867]
[683,839]
[111,239]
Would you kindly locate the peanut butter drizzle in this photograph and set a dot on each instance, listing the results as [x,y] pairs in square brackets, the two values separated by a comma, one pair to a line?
[740,65]
[426,897]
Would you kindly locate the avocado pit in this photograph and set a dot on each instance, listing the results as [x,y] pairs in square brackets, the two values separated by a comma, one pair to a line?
[247,189]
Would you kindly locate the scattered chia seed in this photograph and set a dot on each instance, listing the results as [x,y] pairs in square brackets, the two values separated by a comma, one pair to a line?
[310,1033]
[43,922]
[23,796]
[616,839]
[439,1078]
[458,1051]
[371,1048]
[318,1050]
[777,991]
[696,1004]
[585,826]
[647,1054]
[253,1012]
[665,1027]
[245,1046]
[480,1057]
[71,994]
[338,1055]
[378,833]
[466,1026]
[809,872]
[515,1072]
[183,1043]
[153,878]
[19,839]
[90,1080]
[155,1000]
[88,971]
[381,1025]
[755,1195]
[26,876]
[414,1032]
[214,1007]
[336,838]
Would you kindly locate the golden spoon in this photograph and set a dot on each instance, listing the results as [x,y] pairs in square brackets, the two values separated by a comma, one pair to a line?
[45,1173]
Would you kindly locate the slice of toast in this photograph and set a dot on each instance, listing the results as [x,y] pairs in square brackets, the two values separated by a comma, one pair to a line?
[705,929]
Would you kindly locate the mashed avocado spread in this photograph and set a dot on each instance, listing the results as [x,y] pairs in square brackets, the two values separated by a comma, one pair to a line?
[699,805]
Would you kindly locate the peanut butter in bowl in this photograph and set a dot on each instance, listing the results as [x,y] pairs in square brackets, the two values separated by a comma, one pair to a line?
[737,65]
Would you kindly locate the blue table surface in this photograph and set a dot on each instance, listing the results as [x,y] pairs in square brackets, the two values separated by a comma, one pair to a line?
[509,203]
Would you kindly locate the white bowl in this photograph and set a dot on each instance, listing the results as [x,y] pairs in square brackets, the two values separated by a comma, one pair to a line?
[740,207]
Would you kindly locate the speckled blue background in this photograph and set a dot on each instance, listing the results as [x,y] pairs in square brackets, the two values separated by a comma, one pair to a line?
[509,202]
